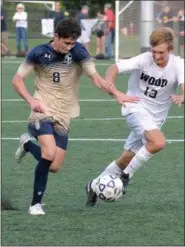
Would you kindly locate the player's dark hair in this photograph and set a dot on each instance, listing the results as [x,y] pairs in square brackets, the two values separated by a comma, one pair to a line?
[68,28]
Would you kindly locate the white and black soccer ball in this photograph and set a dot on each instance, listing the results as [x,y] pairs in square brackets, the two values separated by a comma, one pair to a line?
[109,188]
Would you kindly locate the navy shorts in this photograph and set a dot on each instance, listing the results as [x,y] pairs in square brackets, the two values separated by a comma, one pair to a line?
[47,128]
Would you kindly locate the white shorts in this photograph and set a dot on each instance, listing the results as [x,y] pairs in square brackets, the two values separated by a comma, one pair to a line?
[139,122]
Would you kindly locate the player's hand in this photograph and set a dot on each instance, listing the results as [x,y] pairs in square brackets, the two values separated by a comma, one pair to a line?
[177,99]
[37,106]
[123,98]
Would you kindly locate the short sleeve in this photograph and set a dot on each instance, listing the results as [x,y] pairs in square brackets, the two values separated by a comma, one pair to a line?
[29,63]
[85,60]
[134,63]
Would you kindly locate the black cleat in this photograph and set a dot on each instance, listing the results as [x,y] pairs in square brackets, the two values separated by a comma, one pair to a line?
[125,179]
[91,196]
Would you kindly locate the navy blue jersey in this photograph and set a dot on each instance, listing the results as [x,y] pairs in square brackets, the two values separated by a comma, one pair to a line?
[57,77]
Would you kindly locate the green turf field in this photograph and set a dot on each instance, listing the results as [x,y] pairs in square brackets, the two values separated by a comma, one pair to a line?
[152,213]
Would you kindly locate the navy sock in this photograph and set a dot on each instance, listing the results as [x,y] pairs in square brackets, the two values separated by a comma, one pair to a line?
[41,177]
[34,149]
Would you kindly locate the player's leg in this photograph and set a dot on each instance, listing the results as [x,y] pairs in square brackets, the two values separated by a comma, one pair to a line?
[26,145]
[133,143]
[48,150]
[44,133]
[61,143]
[153,141]
[58,160]
[125,158]
[114,168]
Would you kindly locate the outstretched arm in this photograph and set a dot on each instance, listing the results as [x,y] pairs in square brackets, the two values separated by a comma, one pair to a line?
[109,87]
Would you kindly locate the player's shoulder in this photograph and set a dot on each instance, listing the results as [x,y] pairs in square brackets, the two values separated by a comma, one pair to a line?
[145,58]
[176,61]
[38,51]
[79,52]
[147,55]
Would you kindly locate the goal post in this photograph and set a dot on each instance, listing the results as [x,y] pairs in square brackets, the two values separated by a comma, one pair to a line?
[135,20]
[125,27]
[117,22]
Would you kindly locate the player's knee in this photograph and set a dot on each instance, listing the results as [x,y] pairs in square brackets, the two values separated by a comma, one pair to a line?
[48,153]
[159,144]
[54,169]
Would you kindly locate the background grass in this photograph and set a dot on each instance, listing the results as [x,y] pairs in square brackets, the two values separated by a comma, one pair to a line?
[152,212]
[129,46]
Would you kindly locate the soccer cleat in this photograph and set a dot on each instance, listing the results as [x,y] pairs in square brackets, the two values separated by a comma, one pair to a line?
[125,179]
[91,196]
[36,209]
[20,153]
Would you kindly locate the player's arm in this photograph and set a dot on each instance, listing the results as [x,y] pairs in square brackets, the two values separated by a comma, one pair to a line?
[125,65]
[178,99]
[18,83]
[108,86]
[111,73]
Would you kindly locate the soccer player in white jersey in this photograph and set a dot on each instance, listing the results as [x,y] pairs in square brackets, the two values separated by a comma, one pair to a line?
[154,78]
[58,66]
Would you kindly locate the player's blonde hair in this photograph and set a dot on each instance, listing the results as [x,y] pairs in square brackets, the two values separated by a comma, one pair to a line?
[162,35]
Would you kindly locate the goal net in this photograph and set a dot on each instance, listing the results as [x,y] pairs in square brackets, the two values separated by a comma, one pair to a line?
[128,28]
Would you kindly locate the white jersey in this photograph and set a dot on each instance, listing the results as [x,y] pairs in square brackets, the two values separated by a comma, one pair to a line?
[21,19]
[152,84]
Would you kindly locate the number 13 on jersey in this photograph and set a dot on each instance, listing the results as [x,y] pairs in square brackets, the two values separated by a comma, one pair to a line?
[152,93]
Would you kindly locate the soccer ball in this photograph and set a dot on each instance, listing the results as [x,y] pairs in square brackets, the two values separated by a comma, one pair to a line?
[109,188]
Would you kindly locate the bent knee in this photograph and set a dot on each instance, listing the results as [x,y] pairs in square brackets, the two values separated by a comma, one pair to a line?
[49,154]
[55,167]
[54,170]
[159,144]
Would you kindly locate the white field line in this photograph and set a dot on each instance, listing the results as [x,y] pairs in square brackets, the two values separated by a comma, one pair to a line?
[91,139]
[88,119]
[81,100]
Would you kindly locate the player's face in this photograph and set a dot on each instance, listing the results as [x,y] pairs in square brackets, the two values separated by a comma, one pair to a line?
[64,45]
[161,54]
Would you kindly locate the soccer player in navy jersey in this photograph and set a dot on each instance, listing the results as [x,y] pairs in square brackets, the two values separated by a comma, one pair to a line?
[58,66]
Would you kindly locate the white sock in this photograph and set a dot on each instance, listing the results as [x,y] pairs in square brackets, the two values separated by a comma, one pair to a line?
[112,169]
[141,157]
